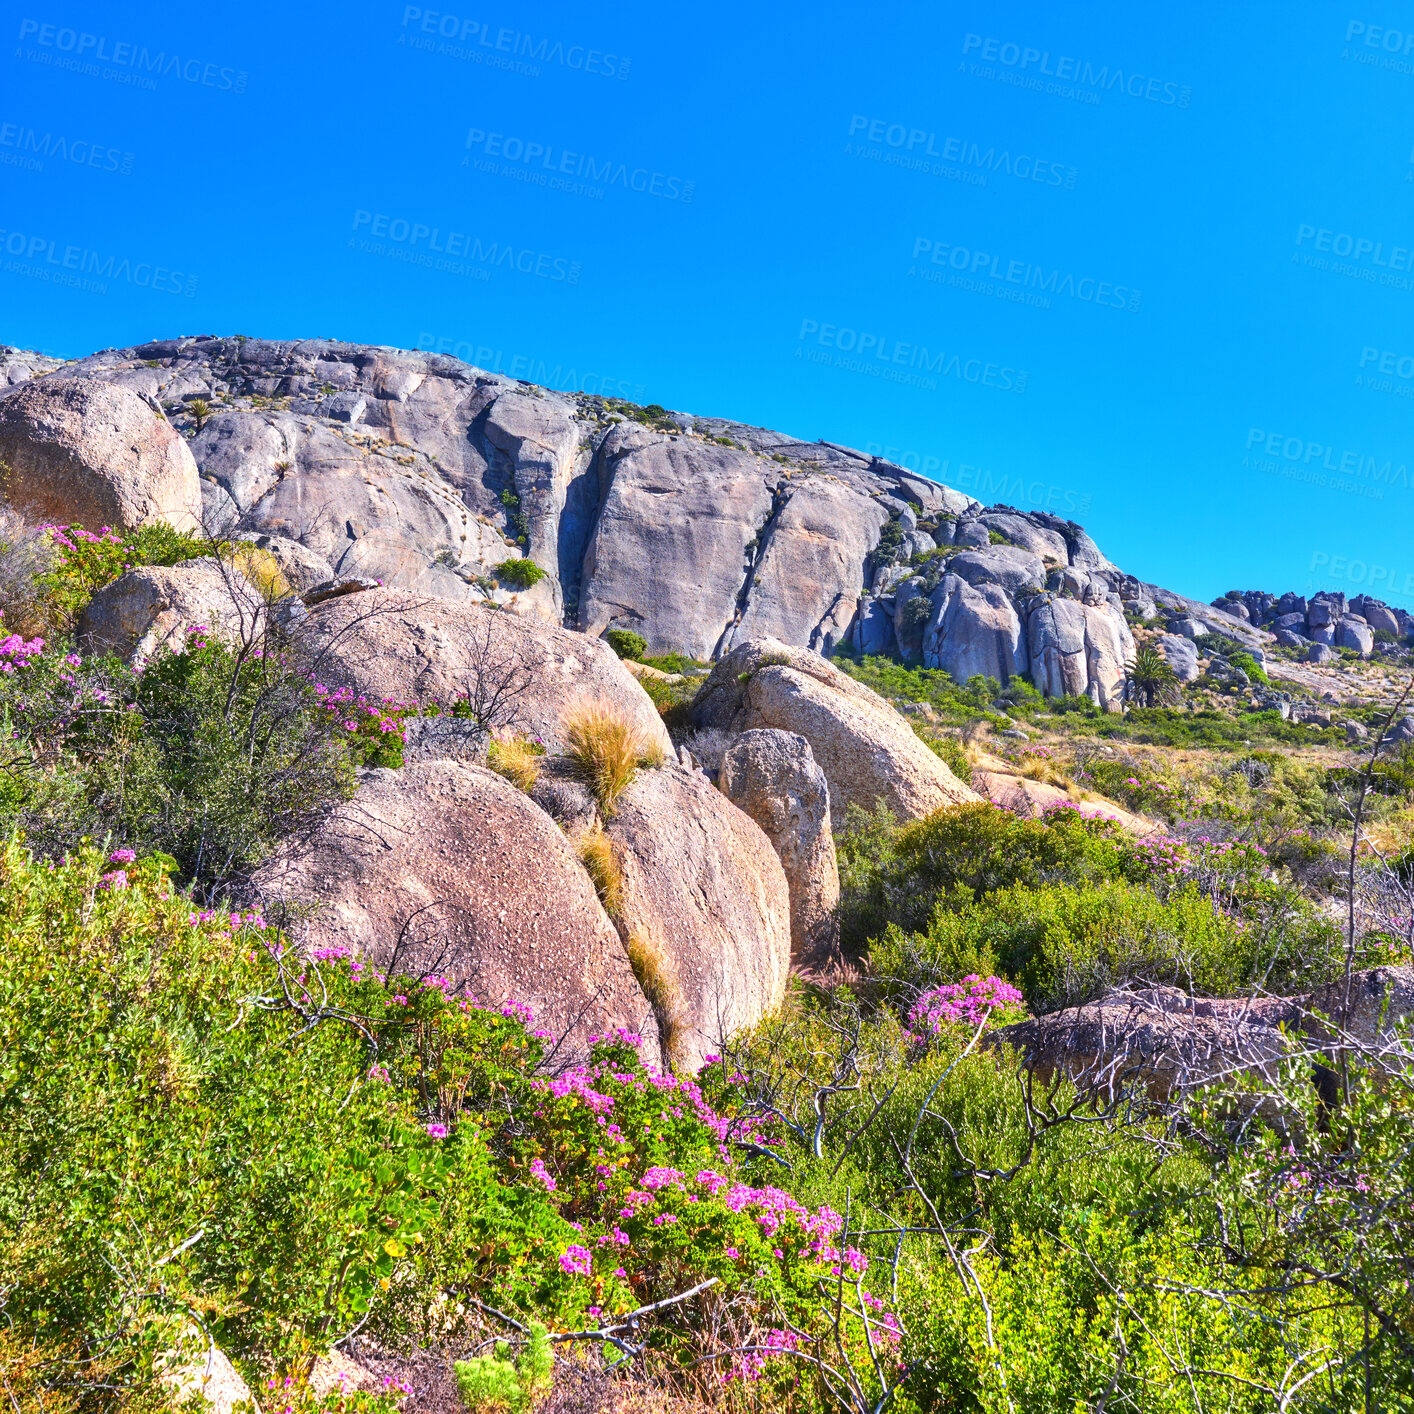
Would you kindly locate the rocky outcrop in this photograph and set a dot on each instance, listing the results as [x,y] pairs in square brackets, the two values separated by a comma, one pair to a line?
[153,607]
[773,778]
[388,643]
[1165,1043]
[705,910]
[83,449]
[1077,649]
[1032,799]
[1158,1041]
[974,629]
[868,752]
[444,867]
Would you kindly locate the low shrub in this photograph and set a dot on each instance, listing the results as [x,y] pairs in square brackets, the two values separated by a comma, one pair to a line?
[519,574]
[626,643]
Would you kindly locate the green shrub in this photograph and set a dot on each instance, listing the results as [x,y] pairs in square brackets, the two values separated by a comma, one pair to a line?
[494,1384]
[519,574]
[1064,945]
[626,643]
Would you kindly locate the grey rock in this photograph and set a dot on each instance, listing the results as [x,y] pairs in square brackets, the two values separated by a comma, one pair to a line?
[302,568]
[1323,634]
[773,777]
[1049,546]
[1287,639]
[1007,566]
[1181,655]
[1355,633]
[1077,649]
[974,629]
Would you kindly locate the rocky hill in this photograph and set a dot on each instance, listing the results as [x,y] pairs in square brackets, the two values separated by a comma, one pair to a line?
[697,532]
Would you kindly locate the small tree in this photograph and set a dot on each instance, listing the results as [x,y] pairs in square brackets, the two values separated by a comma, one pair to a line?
[1149,680]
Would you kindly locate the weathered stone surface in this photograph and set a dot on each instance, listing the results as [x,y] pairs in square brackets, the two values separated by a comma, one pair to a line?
[1078,649]
[1364,1025]
[1006,566]
[209,1377]
[446,867]
[1032,799]
[1319,653]
[1048,545]
[386,643]
[302,568]
[1158,1041]
[1181,655]
[154,606]
[974,630]
[773,777]
[80,449]
[1380,617]
[1356,634]
[706,898]
[868,752]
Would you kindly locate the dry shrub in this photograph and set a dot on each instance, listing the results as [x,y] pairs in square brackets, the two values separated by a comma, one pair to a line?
[609,747]
[260,568]
[596,853]
[515,758]
[658,978]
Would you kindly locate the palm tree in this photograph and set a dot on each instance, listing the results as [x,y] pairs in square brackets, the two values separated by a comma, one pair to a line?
[1149,680]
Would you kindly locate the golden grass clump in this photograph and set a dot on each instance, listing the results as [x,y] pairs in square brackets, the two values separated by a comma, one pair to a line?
[658,979]
[596,853]
[260,568]
[609,747]
[515,758]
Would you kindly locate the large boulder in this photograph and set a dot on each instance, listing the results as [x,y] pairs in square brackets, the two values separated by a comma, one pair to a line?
[78,449]
[868,752]
[773,777]
[388,643]
[1078,649]
[1011,568]
[1355,633]
[974,629]
[153,607]
[1158,1041]
[705,910]
[444,867]
[1181,654]
[1365,1022]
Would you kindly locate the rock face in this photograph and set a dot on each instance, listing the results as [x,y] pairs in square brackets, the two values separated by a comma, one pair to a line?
[417,648]
[152,607]
[209,1377]
[426,474]
[772,776]
[1181,654]
[445,867]
[706,910]
[868,753]
[82,449]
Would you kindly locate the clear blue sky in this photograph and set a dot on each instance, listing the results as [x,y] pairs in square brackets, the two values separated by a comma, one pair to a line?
[1147,265]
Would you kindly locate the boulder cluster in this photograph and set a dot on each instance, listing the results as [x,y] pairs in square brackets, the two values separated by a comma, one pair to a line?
[1320,623]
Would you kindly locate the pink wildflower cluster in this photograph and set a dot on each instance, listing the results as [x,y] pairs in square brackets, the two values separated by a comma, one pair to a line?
[969,1003]
[352,711]
[576,1260]
[114,879]
[538,1170]
[16,652]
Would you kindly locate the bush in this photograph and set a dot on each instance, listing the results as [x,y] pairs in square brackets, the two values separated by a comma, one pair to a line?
[609,747]
[517,759]
[1065,945]
[626,643]
[519,574]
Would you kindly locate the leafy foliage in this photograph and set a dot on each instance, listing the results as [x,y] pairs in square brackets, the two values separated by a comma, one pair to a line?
[626,643]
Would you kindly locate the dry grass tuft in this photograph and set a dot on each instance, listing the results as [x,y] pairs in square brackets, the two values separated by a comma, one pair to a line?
[609,747]
[596,853]
[658,979]
[260,568]
[515,758]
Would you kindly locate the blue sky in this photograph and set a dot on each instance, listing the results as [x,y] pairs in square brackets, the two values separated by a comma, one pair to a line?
[1154,270]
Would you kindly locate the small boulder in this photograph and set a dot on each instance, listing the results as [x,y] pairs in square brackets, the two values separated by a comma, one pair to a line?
[773,777]
[1319,653]
[868,752]
[444,867]
[153,607]
[78,449]
[1181,654]
[705,910]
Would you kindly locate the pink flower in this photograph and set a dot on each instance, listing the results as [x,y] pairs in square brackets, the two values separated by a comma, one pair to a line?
[576,1260]
[437,1131]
